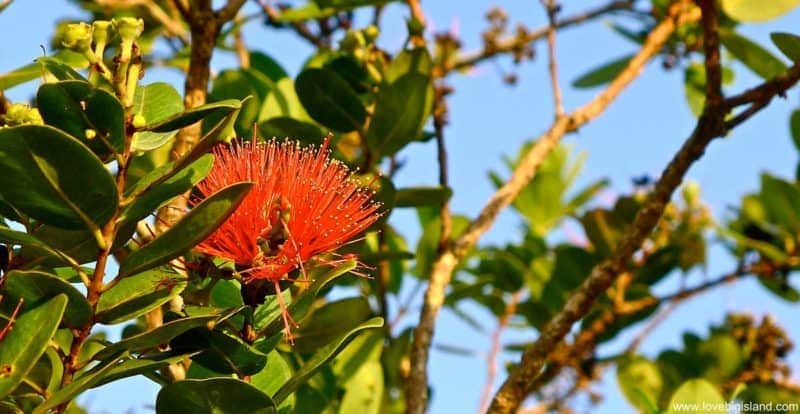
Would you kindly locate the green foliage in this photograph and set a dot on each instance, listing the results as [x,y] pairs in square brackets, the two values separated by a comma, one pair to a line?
[47,172]
[91,167]
[28,341]
[217,395]
[757,11]
[602,74]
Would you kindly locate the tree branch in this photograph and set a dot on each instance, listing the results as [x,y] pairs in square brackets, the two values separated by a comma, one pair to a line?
[552,8]
[228,12]
[710,125]
[511,43]
[443,267]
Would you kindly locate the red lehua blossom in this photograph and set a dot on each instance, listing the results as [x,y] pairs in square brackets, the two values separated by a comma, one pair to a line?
[303,204]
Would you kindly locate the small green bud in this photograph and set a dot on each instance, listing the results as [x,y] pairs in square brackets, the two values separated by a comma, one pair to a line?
[129,28]
[691,193]
[102,30]
[21,114]
[352,40]
[415,27]
[371,33]
[78,37]
[139,121]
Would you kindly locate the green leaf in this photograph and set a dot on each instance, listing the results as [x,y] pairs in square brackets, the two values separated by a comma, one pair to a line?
[36,287]
[220,108]
[272,377]
[92,115]
[286,127]
[757,10]
[640,381]
[330,321]
[164,333]
[420,196]
[155,103]
[59,69]
[35,70]
[722,357]
[283,101]
[237,84]
[321,277]
[794,128]
[80,245]
[193,228]
[155,196]
[788,43]
[136,295]
[220,352]
[320,358]
[781,288]
[267,66]
[53,178]
[140,366]
[363,349]
[364,392]
[27,341]
[214,395]
[330,100]
[308,11]
[781,202]
[416,60]
[602,74]
[401,109]
[756,58]
[342,5]
[14,237]
[697,396]
[81,383]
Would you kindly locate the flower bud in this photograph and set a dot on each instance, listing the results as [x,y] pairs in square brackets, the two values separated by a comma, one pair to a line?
[21,114]
[101,31]
[352,40]
[78,37]
[139,121]
[691,193]
[371,33]
[129,28]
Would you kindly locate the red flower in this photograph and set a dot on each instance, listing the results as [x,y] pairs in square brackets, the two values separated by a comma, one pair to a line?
[303,204]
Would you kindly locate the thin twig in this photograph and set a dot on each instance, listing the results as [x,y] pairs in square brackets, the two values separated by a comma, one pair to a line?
[710,126]
[552,9]
[513,42]
[494,351]
[447,260]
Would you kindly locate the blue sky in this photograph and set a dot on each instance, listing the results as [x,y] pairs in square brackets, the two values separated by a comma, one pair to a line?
[637,135]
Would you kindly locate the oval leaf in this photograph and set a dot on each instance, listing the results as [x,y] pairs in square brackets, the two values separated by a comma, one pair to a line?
[755,57]
[27,341]
[215,395]
[155,103]
[37,287]
[400,112]
[603,74]
[330,100]
[163,334]
[788,43]
[757,10]
[321,357]
[420,196]
[138,294]
[697,396]
[53,178]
